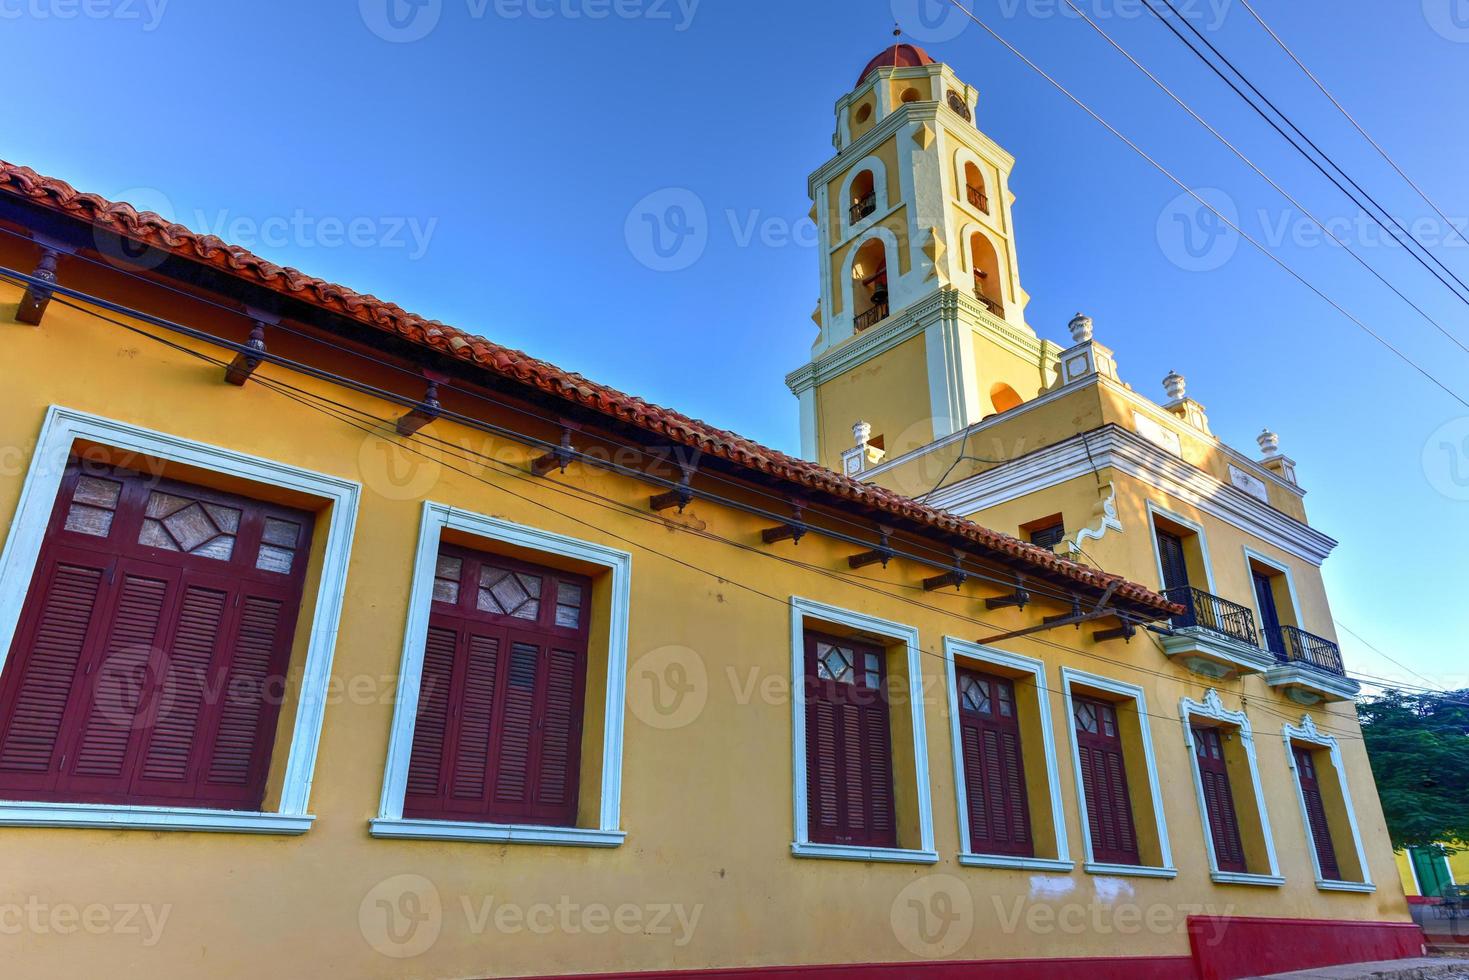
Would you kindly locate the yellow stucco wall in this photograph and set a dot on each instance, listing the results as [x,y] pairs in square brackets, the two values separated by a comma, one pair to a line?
[890,391]
[706,803]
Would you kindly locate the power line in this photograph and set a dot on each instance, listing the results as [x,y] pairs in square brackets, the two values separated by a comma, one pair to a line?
[940,558]
[1297,146]
[1331,236]
[1375,650]
[373,425]
[1215,211]
[1358,126]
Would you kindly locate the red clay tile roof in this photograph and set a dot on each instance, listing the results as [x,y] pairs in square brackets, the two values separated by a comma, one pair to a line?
[149,228]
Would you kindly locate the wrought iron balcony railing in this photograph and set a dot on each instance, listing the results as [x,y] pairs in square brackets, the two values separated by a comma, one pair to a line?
[993,305]
[1214,614]
[876,315]
[863,207]
[978,198]
[1293,645]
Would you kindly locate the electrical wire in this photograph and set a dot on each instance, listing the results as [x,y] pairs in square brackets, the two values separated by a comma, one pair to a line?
[940,558]
[373,425]
[1331,236]
[60,293]
[1324,156]
[1352,119]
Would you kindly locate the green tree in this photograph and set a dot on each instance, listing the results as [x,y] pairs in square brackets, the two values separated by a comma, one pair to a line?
[1419,747]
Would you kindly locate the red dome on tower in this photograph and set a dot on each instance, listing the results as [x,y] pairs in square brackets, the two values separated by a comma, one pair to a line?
[897,56]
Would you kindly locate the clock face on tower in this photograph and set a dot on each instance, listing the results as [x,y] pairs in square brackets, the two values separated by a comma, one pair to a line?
[956,102]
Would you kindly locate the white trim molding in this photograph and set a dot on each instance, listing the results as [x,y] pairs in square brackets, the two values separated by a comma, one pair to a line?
[1069,677]
[1155,511]
[1212,707]
[390,821]
[956,648]
[1252,555]
[801,844]
[1113,446]
[1307,732]
[879,173]
[60,431]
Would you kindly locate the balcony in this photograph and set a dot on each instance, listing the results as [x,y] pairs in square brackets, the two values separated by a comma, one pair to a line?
[993,305]
[1308,668]
[978,199]
[863,207]
[871,317]
[1214,637]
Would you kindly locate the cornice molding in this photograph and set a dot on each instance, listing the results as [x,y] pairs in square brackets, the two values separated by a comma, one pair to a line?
[890,125]
[1115,447]
[910,322]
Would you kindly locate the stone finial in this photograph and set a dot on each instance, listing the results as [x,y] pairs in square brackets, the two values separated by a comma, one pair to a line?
[1175,386]
[1081,328]
[1269,443]
[862,432]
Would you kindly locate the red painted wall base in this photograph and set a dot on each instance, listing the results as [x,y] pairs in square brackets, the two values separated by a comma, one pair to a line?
[1226,948]
[1223,948]
[1097,968]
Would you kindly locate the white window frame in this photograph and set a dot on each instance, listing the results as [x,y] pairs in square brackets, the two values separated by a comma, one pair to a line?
[1134,693]
[879,192]
[981,656]
[60,431]
[801,844]
[1253,557]
[1156,511]
[890,253]
[1307,732]
[390,821]
[1212,707]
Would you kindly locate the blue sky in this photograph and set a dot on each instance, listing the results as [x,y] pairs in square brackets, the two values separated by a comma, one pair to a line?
[490,172]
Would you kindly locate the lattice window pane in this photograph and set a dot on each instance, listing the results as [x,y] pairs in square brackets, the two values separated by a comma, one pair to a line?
[446,579]
[1006,699]
[1086,718]
[97,492]
[833,663]
[176,523]
[278,547]
[976,695]
[273,559]
[92,504]
[568,604]
[509,593]
[281,533]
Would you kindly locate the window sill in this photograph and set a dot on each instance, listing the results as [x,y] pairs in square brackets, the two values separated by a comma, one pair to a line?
[107,816]
[1241,878]
[494,833]
[1128,870]
[1018,863]
[1345,886]
[845,852]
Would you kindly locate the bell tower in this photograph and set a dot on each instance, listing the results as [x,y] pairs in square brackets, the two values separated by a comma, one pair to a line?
[921,316]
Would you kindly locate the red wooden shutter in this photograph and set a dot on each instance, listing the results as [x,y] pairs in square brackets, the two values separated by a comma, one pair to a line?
[499,729]
[430,728]
[1316,813]
[1104,780]
[849,774]
[1229,852]
[50,642]
[148,664]
[994,772]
